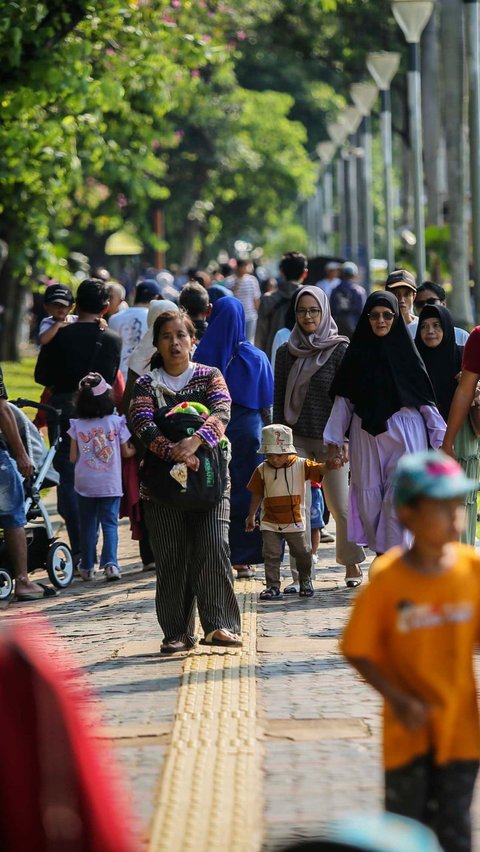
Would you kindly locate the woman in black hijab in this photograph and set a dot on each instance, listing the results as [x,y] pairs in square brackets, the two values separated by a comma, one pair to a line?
[442,356]
[385,403]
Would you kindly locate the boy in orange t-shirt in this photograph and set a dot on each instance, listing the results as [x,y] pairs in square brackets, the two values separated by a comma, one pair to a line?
[411,635]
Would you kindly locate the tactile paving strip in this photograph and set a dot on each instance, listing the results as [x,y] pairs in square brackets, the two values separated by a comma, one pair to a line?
[209,796]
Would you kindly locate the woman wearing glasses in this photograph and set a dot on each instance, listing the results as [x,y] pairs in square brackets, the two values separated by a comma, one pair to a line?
[305,367]
[385,402]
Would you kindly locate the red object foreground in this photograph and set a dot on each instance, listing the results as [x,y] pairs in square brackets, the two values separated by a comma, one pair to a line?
[57,789]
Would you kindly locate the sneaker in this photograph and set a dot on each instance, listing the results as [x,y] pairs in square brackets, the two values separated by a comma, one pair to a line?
[326,538]
[112,572]
[85,573]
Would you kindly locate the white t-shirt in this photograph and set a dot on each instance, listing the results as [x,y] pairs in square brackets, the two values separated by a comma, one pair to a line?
[246,290]
[176,383]
[131,325]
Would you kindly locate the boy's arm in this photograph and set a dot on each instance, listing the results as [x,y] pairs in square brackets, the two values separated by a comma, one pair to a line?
[410,711]
[315,471]
[255,503]
[48,335]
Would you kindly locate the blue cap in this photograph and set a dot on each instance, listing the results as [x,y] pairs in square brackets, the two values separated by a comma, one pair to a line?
[430,474]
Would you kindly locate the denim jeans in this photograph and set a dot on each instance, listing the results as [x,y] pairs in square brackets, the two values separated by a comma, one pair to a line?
[94,512]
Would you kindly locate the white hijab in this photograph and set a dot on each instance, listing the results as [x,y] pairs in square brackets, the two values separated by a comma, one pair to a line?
[139,361]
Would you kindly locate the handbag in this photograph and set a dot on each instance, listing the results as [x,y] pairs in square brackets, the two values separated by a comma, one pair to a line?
[204,488]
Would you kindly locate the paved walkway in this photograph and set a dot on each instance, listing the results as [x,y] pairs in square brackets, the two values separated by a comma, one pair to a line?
[227,751]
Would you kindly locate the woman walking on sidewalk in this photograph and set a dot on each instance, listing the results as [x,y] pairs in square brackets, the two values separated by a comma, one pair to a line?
[305,367]
[191,549]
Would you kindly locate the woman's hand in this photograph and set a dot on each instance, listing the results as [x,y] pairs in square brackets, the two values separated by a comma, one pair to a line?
[185,448]
[336,456]
[193,462]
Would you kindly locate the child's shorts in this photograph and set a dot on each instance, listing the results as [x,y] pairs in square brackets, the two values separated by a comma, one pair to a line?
[316,512]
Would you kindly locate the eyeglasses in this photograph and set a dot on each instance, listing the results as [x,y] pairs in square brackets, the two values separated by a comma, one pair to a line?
[386,315]
[432,300]
[310,312]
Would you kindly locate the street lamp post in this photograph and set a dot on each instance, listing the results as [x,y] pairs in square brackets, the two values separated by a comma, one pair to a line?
[364,96]
[338,135]
[350,118]
[383,66]
[326,152]
[412,17]
[473,63]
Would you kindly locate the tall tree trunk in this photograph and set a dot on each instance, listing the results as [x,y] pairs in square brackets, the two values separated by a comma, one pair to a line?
[12,301]
[431,119]
[190,251]
[454,115]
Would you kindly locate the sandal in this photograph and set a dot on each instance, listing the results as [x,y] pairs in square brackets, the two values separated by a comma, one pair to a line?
[244,572]
[175,647]
[273,593]
[292,589]
[356,580]
[211,639]
[306,589]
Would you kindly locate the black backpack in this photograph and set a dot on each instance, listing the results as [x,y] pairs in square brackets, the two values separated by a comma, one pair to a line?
[205,487]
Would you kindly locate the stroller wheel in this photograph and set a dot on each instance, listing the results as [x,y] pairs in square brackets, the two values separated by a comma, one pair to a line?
[60,564]
[6,584]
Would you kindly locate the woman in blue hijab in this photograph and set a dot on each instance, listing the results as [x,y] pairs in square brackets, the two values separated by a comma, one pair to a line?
[249,378]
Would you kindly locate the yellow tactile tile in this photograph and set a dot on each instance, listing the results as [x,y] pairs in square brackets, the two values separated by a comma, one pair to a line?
[209,796]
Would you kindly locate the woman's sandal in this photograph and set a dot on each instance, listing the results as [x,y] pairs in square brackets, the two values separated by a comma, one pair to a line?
[244,572]
[306,589]
[355,581]
[211,639]
[175,647]
[273,593]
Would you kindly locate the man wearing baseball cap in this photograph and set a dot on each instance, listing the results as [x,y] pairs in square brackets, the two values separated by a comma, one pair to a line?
[402,284]
[347,299]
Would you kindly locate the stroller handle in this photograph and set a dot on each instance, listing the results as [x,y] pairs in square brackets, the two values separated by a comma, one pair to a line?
[41,406]
[30,403]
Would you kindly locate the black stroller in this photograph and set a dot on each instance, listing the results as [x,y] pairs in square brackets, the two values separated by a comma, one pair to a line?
[45,551]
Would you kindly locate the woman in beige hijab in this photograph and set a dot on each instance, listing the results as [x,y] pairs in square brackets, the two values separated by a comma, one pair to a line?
[304,371]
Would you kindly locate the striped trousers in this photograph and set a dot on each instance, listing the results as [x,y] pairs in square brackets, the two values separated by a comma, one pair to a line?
[192,558]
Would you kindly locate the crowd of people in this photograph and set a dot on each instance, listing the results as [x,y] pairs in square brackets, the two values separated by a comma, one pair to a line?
[228,416]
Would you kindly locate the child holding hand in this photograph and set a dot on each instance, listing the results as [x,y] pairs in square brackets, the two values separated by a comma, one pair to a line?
[278,486]
[411,636]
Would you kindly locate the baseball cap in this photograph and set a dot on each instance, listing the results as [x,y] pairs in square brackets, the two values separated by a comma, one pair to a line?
[59,294]
[349,268]
[430,473]
[401,278]
[147,289]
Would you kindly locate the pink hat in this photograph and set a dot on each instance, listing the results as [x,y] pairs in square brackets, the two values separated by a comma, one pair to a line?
[95,382]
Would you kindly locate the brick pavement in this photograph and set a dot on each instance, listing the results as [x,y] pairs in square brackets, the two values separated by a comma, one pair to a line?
[315,724]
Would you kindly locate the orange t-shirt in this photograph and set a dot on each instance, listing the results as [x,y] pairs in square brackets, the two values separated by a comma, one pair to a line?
[421,631]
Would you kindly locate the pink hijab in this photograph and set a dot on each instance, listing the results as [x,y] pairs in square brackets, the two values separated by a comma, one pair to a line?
[311,352]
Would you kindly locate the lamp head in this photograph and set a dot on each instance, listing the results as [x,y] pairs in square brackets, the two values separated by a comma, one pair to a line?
[337,132]
[412,16]
[325,151]
[383,66]
[364,96]
[350,118]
